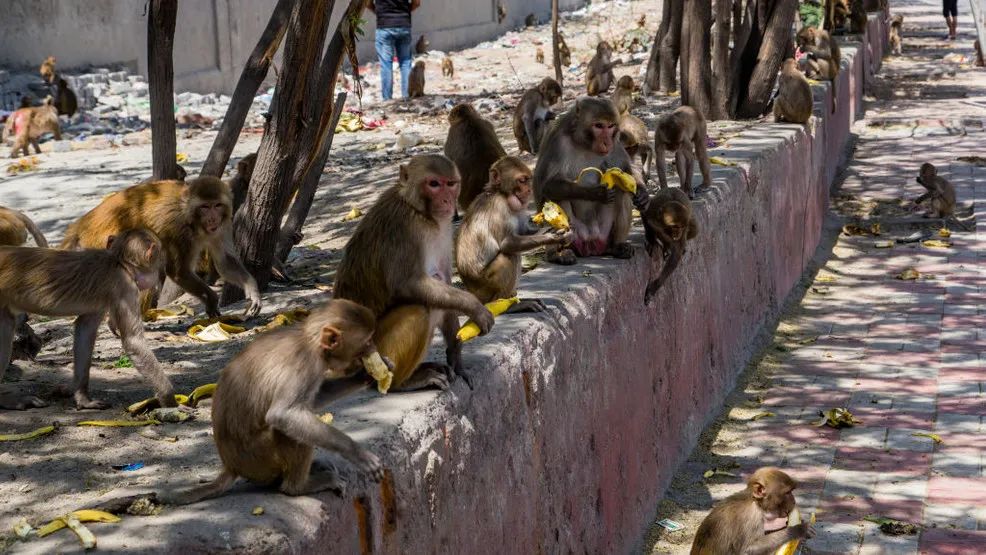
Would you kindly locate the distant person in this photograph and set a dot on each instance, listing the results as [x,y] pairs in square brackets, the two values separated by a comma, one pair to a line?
[950,9]
[393,37]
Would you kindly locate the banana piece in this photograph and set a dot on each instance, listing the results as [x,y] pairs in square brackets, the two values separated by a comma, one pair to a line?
[152,403]
[44,430]
[199,393]
[83,515]
[376,367]
[551,214]
[497,307]
[118,423]
[793,519]
[613,177]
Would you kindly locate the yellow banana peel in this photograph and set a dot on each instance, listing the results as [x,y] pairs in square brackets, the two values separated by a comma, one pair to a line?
[793,519]
[119,423]
[327,418]
[613,177]
[551,214]
[84,515]
[217,331]
[720,161]
[376,367]
[167,313]
[199,393]
[497,307]
[141,407]
[44,430]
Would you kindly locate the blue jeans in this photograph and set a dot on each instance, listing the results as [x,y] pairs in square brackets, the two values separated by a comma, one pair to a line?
[389,41]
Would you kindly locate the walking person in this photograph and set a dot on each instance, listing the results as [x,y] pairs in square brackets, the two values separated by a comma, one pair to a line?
[393,37]
[950,9]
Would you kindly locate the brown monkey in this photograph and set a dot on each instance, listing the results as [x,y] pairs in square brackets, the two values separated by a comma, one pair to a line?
[857,17]
[87,284]
[599,74]
[26,126]
[794,102]
[736,525]
[422,46]
[836,13]
[586,137]
[398,264]
[564,52]
[501,12]
[473,145]
[682,132]
[416,81]
[896,26]
[48,69]
[668,225]
[240,182]
[263,412]
[623,94]
[65,100]
[823,57]
[531,20]
[494,233]
[14,228]
[539,55]
[939,191]
[533,113]
[635,139]
[188,217]
[448,69]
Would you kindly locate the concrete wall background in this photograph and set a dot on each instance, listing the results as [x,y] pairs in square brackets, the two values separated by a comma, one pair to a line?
[214,38]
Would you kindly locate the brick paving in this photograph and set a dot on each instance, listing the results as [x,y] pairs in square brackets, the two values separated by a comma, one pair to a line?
[906,357]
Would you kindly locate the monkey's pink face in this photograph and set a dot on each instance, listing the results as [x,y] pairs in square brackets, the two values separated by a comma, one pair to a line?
[522,193]
[603,136]
[211,215]
[440,193]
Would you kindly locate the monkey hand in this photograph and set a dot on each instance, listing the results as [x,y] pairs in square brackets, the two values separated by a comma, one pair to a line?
[801,531]
[602,195]
[369,463]
[253,295]
[483,318]
[563,236]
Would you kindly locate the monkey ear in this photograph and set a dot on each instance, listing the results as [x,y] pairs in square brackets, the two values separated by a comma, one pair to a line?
[759,491]
[331,337]
[109,241]
[494,176]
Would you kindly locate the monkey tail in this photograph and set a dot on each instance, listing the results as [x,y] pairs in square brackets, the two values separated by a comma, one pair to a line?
[835,93]
[217,487]
[39,237]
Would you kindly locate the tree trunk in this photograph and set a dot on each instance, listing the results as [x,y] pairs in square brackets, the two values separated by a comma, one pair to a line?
[722,71]
[257,224]
[671,47]
[556,54]
[774,46]
[253,75]
[652,79]
[161,17]
[696,73]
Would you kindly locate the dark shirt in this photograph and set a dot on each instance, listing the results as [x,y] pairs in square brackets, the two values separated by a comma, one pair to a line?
[393,13]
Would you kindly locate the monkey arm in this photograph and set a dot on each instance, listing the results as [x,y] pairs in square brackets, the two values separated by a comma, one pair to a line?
[662,164]
[559,189]
[300,424]
[438,294]
[517,244]
[453,347]
[702,154]
[923,197]
[127,317]
[231,268]
[529,129]
[768,543]
[333,390]
[192,283]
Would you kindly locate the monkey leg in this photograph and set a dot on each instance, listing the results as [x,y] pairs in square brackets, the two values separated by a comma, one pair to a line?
[215,488]
[403,335]
[84,339]
[27,344]
[498,281]
[7,400]
[684,170]
[619,245]
[170,292]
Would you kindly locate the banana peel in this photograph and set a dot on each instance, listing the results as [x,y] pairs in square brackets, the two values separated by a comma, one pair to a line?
[720,161]
[837,418]
[327,418]
[613,177]
[74,522]
[944,233]
[167,313]
[909,274]
[214,332]
[199,393]
[141,407]
[353,214]
[119,423]
[42,431]
[937,243]
[497,307]
[793,519]
[551,214]
[376,367]
[287,318]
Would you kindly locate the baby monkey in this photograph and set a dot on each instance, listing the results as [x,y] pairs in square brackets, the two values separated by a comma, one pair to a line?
[940,192]
[668,225]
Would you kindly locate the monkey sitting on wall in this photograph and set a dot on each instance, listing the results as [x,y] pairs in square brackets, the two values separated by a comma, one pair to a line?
[794,102]
[668,225]
[473,145]
[533,113]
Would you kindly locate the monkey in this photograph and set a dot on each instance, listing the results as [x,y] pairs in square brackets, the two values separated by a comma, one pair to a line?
[564,53]
[939,191]
[736,524]
[533,113]
[635,140]
[531,20]
[26,102]
[473,145]
[683,132]
[15,227]
[794,102]
[65,99]
[539,55]
[668,225]
[857,17]
[823,57]
[263,411]
[87,284]
[416,81]
[599,74]
[896,26]
[586,137]
[501,13]
[496,231]
[642,22]
[448,69]
[398,263]
[26,126]
[422,46]
[188,217]
[836,13]
[240,182]
[47,69]
[623,94]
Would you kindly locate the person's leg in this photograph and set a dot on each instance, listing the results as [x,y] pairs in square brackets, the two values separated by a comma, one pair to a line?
[385,52]
[402,44]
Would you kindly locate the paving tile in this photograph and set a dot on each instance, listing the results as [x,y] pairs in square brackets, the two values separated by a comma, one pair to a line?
[943,541]
[882,460]
[963,517]
[832,537]
[905,440]
[957,464]
[891,487]
[876,542]
[957,490]
[866,437]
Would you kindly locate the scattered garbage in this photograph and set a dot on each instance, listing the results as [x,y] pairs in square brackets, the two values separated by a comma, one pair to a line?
[42,431]
[837,418]
[670,525]
[894,527]
[217,331]
[129,467]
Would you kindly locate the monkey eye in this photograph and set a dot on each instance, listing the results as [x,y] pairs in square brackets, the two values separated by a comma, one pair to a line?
[524,180]
[434,184]
[599,125]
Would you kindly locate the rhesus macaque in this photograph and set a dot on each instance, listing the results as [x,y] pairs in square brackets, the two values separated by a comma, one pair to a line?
[188,217]
[47,69]
[65,100]
[87,284]
[682,132]
[501,12]
[794,102]
[857,17]
[896,26]
[473,145]
[623,95]
[586,137]
[533,113]
[240,183]
[263,412]
[823,57]
[939,191]
[14,228]
[416,81]
[564,52]
[531,20]
[599,74]
[496,231]
[398,264]
[26,126]
[668,225]
[422,46]
[635,139]
[836,13]
[539,55]
[448,69]
[736,525]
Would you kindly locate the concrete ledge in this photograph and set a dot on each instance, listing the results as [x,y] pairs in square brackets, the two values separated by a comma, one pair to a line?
[579,417]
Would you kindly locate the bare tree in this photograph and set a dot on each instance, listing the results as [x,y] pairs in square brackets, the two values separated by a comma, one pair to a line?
[663,62]
[556,54]
[722,71]
[161,17]
[696,73]
[762,58]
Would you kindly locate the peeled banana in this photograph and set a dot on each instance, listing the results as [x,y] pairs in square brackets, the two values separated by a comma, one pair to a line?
[551,214]
[497,307]
[793,519]
[613,177]
[376,367]
[83,515]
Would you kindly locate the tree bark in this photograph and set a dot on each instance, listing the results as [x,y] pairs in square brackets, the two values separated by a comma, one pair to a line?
[253,75]
[652,79]
[556,54]
[774,46]
[257,223]
[722,71]
[161,17]
[671,47]
[696,73]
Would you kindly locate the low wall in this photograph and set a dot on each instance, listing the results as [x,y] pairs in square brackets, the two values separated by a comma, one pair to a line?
[578,418]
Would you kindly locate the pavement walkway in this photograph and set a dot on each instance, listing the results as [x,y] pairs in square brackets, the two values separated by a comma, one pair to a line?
[906,357]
